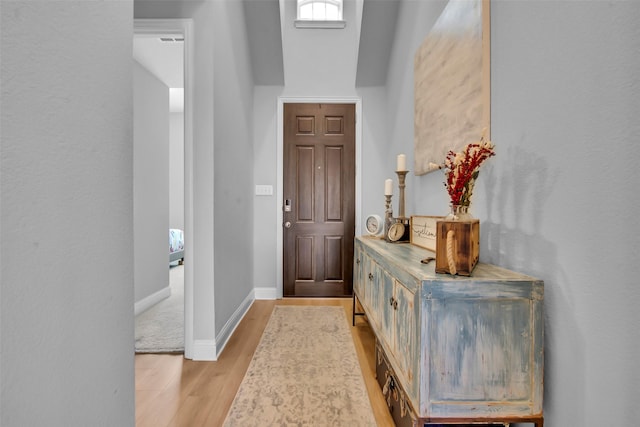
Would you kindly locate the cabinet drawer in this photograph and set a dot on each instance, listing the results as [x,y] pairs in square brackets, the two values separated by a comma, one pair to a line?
[394,394]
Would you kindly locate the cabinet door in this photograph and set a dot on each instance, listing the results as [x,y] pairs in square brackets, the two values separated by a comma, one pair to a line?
[386,308]
[405,343]
[377,294]
[362,266]
[482,349]
[369,279]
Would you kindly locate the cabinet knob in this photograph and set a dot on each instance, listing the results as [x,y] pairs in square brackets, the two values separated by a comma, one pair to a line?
[370,276]
[395,304]
[391,301]
[358,261]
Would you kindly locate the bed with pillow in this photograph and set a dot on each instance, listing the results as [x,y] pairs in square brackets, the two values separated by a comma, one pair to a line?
[176,245]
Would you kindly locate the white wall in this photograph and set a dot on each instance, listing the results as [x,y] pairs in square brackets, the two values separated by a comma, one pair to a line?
[424,195]
[223,121]
[265,259]
[233,157]
[150,182]
[375,152]
[319,62]
[559,200]
[66,214]
[176,171]
[202,258]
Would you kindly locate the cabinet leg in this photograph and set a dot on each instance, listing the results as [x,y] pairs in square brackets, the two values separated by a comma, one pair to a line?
[354,313]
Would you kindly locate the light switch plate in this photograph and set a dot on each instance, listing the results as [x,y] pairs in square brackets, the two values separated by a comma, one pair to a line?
[264,190]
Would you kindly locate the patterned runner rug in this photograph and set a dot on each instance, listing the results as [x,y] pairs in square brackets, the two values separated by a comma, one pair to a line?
[305,372]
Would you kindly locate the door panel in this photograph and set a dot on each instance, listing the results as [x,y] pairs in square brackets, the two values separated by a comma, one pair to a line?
[333,187]
[305,157]
[304,257]
[319,180]
[333,258]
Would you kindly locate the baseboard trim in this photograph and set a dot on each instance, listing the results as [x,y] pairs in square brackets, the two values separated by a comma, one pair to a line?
[204,350]
[227,331]
[210,350]
[147,302]
[266,293]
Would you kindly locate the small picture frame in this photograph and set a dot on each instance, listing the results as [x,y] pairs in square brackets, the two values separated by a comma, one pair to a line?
[423,231]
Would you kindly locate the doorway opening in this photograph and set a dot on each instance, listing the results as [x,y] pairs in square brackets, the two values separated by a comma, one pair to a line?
[319,192]
[280,225]
[171,36]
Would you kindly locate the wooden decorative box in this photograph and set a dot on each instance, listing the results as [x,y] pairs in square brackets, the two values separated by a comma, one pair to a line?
[465,241]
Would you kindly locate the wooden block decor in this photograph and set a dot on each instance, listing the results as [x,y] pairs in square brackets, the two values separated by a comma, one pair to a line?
[463,237]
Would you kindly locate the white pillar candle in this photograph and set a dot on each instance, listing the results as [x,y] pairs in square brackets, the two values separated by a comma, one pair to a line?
[388,187]
[402,163]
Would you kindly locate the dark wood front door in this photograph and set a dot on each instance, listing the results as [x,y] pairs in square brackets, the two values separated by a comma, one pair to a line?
[319,199]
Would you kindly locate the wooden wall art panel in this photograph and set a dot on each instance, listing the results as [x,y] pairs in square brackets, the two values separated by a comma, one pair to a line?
[452,83]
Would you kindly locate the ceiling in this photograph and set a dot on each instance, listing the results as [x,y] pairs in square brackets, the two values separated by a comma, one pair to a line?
[377,33]
[164,59]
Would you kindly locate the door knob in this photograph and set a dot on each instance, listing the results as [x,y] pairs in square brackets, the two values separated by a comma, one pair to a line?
[287,224]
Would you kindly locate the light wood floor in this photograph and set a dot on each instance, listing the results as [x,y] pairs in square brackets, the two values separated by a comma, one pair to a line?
[173,391]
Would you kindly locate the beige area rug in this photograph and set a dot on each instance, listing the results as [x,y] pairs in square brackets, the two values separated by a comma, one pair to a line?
[305,372]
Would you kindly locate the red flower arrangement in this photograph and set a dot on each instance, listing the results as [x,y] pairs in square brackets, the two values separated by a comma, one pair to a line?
[461,170]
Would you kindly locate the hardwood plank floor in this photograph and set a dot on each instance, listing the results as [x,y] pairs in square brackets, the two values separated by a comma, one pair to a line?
[173,391]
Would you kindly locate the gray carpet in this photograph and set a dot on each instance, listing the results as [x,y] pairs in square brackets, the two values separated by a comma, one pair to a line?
[160,329]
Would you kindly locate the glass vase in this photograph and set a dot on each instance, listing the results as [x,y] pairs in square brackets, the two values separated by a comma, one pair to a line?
[459,213]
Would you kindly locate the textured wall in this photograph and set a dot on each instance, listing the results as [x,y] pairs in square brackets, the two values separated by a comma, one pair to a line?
[233,157]
[66,214]
[222,182]
[176,171]
[559,200]
[560,197]
[265,258]
[415,19]
[150,182]
[319,62]
[202,166]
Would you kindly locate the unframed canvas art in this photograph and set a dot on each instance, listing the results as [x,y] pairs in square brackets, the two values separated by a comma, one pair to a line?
[451,77]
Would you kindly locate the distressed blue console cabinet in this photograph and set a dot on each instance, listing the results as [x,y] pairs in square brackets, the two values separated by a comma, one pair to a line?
[461,349]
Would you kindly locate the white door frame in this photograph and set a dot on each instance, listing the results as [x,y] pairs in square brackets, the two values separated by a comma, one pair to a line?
[280,171]
[183,27]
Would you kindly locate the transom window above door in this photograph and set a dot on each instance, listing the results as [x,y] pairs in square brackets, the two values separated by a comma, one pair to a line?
[319,11]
